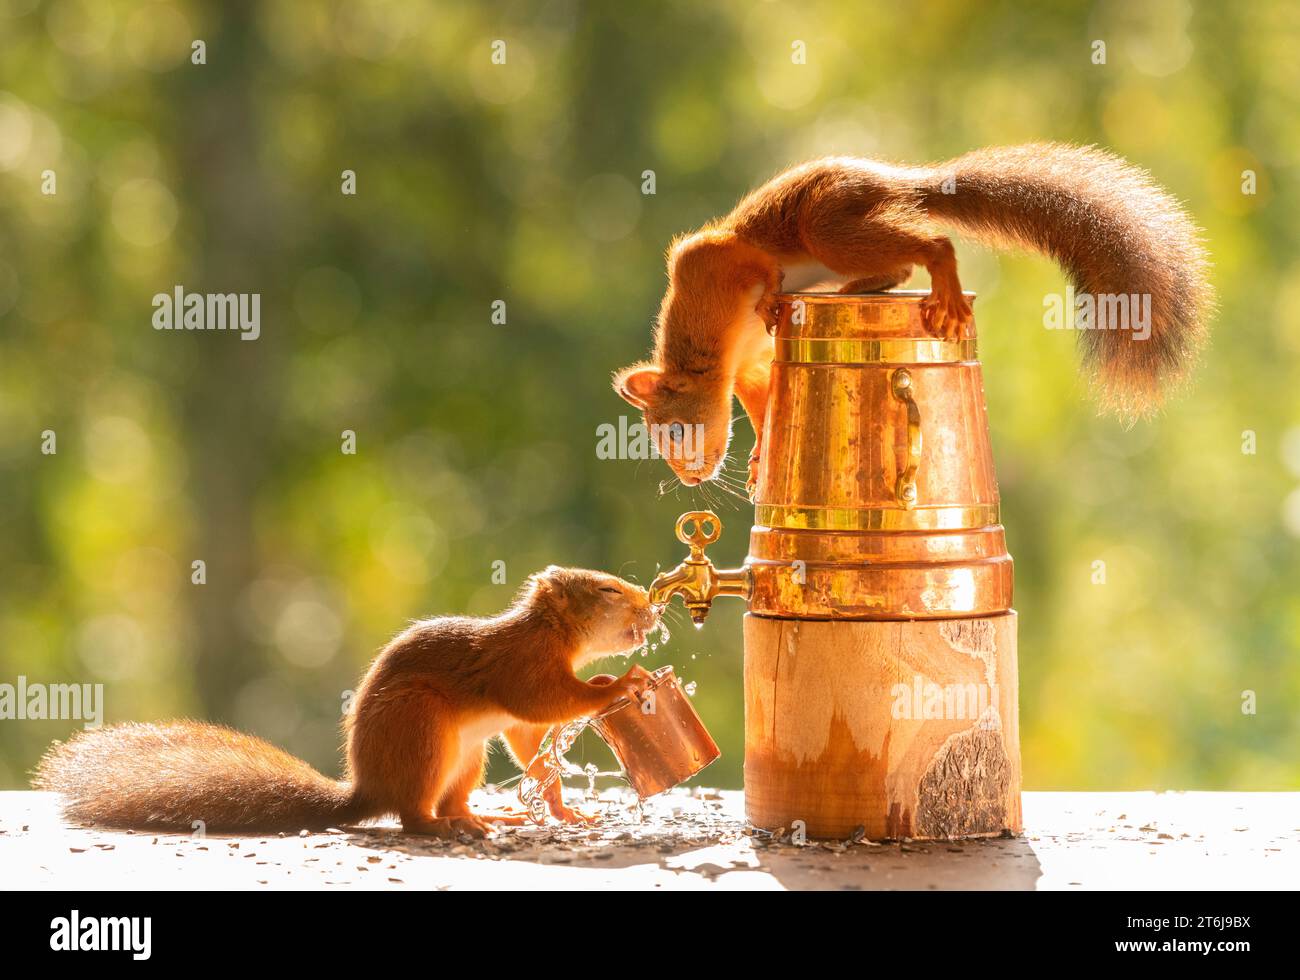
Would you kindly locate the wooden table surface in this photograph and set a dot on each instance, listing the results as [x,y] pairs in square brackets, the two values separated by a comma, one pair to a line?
[690,840]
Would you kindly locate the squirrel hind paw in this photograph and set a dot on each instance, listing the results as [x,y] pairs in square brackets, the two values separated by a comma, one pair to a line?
[946,314]
[448,828]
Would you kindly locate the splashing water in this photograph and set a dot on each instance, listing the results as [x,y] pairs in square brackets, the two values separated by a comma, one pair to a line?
[656,636]
[549,766]
[546,767]
[661,628]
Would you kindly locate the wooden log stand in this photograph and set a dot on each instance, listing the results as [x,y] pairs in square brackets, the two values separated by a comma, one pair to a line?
[889,728]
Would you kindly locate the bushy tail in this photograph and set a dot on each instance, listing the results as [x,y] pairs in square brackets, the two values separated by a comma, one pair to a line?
[1114,232]
[176,773]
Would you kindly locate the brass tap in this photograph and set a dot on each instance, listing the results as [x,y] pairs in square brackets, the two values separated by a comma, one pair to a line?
[696,579]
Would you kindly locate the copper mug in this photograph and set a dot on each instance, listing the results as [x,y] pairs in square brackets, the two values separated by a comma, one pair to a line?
[660,741]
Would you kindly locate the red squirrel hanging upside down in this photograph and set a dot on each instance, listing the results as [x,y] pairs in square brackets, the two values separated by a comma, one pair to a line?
[416,734]
[865,224]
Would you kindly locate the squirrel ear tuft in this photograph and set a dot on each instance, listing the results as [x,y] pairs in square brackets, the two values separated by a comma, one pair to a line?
[550,579]
[637,384]
[537,584]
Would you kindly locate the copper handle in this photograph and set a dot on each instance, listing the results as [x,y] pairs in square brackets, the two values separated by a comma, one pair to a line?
[905,487]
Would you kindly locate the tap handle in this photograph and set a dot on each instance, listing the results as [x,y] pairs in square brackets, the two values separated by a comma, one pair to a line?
[697,538]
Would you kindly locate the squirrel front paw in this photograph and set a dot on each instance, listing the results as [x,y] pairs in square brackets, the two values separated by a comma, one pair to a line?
[634,684]
[751,483]
[767,311]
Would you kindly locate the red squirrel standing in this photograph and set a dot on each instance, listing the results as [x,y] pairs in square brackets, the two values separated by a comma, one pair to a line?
[416,734]
[866,224]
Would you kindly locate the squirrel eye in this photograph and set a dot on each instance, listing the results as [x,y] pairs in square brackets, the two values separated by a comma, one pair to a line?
[609,588]
[676,431]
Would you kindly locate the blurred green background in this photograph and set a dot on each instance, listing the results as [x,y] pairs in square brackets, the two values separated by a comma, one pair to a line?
[476,441]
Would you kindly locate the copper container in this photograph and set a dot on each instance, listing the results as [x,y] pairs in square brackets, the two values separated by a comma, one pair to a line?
[876,496]
[659,742]
[877,557]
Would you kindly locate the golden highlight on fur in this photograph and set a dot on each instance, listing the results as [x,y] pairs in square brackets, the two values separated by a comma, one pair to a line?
[866,224]
[1114,231]
[416,734]
[176,773]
